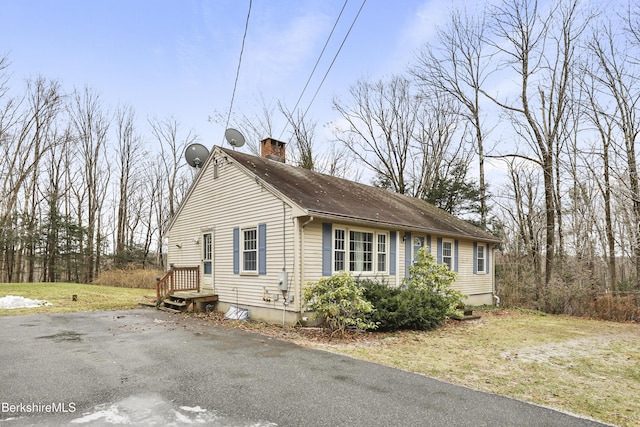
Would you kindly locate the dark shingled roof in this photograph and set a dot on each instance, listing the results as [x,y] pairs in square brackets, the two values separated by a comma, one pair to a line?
[321,194]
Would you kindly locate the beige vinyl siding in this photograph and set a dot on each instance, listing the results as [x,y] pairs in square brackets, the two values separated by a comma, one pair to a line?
[312,252]
[234,199]
[466,282]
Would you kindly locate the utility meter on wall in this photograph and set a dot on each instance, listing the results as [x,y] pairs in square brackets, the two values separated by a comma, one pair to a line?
[283,281]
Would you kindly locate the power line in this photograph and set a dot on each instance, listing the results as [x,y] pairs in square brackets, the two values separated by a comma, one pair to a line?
[316,65]
[235,84]
[334,59]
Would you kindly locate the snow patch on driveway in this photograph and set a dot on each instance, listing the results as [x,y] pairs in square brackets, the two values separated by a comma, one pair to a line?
[154,410]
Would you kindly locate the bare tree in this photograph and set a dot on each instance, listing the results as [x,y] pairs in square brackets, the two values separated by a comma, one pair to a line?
[90,126]
[601,166]
[439,145]
[457,65]
[381,121]
[25,138]
[303,135]
[255,128]
[172,146]
[130,154]
[413,143]
[539,47]
[618,77]
[526,217]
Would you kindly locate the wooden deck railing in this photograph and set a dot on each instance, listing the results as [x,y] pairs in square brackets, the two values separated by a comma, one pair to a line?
[177,279]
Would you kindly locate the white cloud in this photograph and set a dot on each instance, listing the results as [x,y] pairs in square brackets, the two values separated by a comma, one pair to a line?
[277,50]
[421,27]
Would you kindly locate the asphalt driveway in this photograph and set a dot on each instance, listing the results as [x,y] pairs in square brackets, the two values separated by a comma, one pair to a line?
[146,367]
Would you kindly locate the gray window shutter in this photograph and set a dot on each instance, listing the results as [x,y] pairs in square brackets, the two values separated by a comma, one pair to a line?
[455,256]
[236,250]
[262,248]
[408,256]
[429,243]
[392,253]
[327,244]
[439,251]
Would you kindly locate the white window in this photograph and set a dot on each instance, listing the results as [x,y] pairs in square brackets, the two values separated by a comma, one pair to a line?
[447,254]
[360,251]
[339,250]
[480,259]
[207,252]
[250,250]
[382,252]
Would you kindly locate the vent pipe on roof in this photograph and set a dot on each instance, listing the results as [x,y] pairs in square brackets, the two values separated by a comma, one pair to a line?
[273,149]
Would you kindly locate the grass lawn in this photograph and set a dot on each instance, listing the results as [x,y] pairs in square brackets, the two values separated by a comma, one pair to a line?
[89,297]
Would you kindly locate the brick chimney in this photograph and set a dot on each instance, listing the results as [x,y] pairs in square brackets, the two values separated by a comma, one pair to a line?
[273,149]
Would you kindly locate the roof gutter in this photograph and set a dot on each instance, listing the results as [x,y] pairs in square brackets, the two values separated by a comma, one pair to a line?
[335,217]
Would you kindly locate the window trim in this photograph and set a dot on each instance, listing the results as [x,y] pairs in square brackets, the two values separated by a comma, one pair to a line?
[372,252]
[346,249]
[244,251]
[480,261]
[207,249]
[385,253]
[451,255]
[335,250]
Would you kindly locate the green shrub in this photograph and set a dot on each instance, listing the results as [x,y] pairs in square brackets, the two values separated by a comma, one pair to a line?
[339,301]
[385,299]
[423,303]
[421,309]
[416,308]
[425,273]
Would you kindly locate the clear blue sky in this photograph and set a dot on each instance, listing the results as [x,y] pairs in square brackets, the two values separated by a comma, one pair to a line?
[179,57]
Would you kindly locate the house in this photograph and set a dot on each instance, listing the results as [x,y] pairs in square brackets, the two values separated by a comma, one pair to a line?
[261,229]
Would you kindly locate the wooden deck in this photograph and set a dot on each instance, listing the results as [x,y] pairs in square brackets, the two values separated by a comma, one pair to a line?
[180,301]
[204,296]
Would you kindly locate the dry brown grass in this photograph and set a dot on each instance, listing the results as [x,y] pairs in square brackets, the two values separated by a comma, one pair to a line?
[129,278]
[619,308]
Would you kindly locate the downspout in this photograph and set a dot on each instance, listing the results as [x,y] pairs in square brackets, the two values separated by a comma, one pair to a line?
[213,260]
[397,258]
[284,261]
[496,298]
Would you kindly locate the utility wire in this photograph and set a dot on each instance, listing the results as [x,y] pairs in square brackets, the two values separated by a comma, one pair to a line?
[235,84]
[334,60]
[316,65]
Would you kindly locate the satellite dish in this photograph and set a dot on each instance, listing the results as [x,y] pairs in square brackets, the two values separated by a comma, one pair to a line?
[234,138]
[196,155]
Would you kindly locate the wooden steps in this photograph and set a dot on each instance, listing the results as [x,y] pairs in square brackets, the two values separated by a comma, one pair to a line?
[180,301]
